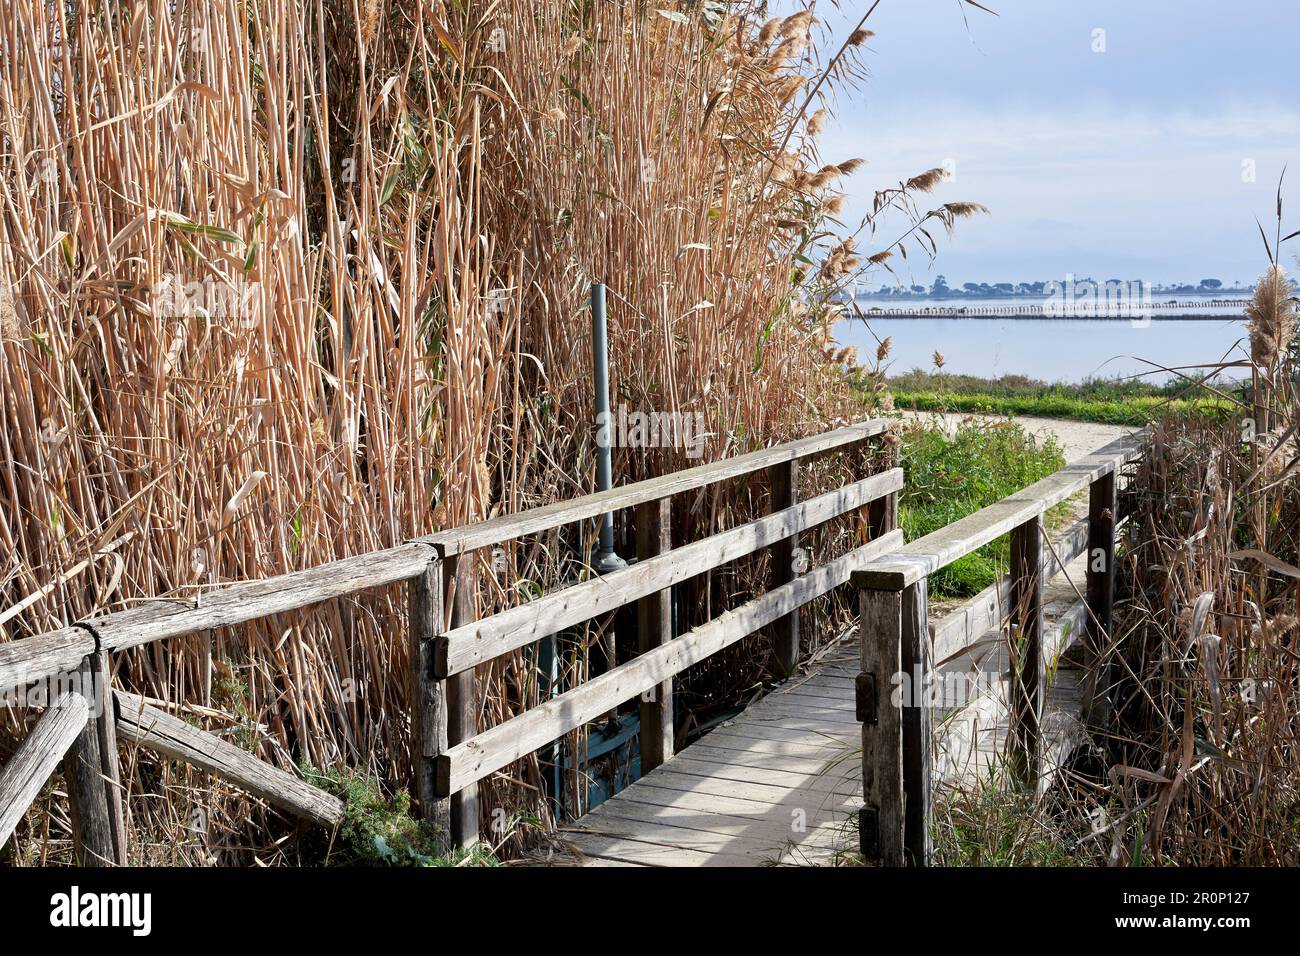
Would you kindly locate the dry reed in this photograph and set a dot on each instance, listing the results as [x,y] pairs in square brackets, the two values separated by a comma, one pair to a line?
[1204,764]
[296,280]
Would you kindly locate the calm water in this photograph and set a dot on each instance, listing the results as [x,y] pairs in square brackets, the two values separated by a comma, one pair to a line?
[1062,350]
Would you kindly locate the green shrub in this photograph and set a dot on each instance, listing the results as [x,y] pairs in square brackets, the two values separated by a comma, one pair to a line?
[948,476]
[991,826]
[380,831]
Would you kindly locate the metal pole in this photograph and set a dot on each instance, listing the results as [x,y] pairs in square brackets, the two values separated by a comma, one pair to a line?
[605,560]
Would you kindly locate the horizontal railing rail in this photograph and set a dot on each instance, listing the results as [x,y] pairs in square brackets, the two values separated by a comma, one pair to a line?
[501,745]
[968,622]
[455,755]
[507,527]
[46,655]
[446,645]
[505,631]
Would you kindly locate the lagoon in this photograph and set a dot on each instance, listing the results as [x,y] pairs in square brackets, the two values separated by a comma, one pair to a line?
[1052,350]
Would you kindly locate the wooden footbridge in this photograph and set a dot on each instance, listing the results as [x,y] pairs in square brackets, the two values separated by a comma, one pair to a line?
[781,784]
[842,757]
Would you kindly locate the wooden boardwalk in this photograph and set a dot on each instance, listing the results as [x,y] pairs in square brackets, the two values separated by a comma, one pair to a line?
[777,785]
[780,783]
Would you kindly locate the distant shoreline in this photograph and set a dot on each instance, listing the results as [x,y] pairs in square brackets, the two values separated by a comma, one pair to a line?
[1018,316]
[1087,310]
[1099,308]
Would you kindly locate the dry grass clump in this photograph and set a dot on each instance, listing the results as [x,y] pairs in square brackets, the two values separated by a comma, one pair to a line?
[1205,753]
[290,281]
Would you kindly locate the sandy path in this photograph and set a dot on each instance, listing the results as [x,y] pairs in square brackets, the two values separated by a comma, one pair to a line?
[1076,439]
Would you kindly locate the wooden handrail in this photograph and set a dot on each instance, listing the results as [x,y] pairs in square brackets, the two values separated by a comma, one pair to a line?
[508,527]
[507,742]
[920,558]
[46,655]
[453,758]
[442,708]
[894,823]
[464,647]
[171,736]
[963,626]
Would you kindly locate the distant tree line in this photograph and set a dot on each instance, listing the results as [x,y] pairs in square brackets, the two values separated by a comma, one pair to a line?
[940,288]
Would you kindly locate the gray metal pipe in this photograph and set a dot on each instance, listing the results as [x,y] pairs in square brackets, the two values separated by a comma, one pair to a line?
[606,559]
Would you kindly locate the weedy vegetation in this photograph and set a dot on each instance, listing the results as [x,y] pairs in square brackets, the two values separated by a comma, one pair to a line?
[1197,761]
[1114,402]
[950,474]
[379,829]
[1204,757]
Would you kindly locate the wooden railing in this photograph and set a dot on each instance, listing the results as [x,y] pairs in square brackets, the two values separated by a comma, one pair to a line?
[82,723]
[896,639]
[453,755]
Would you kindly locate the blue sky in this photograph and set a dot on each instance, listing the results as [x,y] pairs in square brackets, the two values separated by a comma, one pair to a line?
[1129,163]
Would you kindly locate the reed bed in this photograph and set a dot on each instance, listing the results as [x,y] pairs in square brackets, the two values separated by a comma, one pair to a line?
[288,281]
[1203,762]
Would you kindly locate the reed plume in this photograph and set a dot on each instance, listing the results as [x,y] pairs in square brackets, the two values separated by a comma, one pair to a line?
[1272,315]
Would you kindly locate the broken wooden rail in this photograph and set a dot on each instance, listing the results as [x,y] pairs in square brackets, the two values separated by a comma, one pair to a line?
[899,651]
[81,726]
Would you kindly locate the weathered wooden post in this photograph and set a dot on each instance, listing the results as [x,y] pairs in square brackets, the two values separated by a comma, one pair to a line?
[894,699]
[1026,643]
[1102,505]
[462,700]
[110,765]
[917,659]
[93,828]
[428,697]
[882,817]
[654,628]
[783,480]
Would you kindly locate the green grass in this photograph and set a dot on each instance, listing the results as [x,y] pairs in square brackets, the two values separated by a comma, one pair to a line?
[991,826]
[948,477]
[988,824]
[378,830]
[1108,401]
